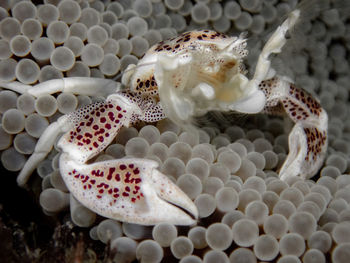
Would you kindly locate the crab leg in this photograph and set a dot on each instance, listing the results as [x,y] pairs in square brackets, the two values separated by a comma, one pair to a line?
[75,85]
[131,190]
[48,138]
[308,139]
[42,148]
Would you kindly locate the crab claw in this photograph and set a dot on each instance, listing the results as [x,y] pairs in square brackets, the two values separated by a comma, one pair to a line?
[170,196]
[130,190]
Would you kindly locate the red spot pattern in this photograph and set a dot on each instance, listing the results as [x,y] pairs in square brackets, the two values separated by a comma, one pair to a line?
[120,181]
[98,123]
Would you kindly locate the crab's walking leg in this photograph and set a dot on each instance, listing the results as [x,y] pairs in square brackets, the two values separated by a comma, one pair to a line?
[131,190]
[43,147]
[75,85]
[308,139]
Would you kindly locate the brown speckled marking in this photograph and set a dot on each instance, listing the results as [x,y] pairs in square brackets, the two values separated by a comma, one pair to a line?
[147,85]
[204,50]
[272,106]
[298,104]
[151,107]
[185,40]
[302,108]
[311,106]
[153,113]
[315,141]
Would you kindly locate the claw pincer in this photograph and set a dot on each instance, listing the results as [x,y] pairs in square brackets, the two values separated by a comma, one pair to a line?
[131,190]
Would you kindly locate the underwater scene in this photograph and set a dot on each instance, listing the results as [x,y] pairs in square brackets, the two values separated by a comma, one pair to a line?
[190,131]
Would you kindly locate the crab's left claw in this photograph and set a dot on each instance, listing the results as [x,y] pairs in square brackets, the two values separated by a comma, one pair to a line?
[130,190]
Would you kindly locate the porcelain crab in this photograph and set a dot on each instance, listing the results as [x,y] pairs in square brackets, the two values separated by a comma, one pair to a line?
[180,78]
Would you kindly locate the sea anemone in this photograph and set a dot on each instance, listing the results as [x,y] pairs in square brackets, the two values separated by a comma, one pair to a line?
[229,169]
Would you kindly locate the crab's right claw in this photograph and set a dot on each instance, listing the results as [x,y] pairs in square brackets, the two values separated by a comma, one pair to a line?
[130,190]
